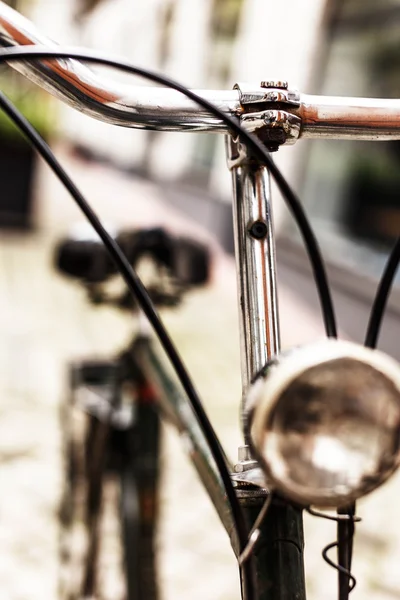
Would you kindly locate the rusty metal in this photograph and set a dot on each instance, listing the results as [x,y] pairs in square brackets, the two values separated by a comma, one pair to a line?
[327,117]
[267,112]
[275,84]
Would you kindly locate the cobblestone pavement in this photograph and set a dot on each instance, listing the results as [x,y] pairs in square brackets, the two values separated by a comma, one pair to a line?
[45,321]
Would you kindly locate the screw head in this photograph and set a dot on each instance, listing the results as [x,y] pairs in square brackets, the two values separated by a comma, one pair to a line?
[269,117]
[258,230]
[272,96]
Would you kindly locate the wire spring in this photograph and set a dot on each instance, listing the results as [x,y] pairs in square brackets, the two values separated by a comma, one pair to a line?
[338,518]
[349,575]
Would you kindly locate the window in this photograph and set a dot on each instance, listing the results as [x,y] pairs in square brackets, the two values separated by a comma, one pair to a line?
[352,189]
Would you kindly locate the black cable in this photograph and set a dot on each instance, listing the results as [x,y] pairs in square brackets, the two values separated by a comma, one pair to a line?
[131,279]
[136,287]
[345,540]
[251,141]
[381,297]
[345,520]
[351,579]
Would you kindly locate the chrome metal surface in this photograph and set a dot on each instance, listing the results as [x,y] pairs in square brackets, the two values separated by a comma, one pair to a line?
[325,422]
[267,92]
[267,112]
[161,109]
[255,261]
[274,127]
[100,97]
[354,118]
[254,477]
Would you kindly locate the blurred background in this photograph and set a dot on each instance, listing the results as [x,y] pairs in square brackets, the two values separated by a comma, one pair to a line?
[137,178]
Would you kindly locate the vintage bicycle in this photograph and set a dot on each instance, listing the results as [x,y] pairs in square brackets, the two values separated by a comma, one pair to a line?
[110,421]
[321,422]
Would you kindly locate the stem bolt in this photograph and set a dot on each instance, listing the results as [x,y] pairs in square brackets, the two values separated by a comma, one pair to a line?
[282,85]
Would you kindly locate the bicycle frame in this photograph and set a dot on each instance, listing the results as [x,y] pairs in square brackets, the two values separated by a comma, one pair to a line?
[279,562]
[118,438]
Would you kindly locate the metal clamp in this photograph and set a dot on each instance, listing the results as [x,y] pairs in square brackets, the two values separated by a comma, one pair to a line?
[267,112]
[247,472]
[268,91]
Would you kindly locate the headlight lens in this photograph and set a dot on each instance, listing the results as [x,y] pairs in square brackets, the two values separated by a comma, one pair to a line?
[325,422]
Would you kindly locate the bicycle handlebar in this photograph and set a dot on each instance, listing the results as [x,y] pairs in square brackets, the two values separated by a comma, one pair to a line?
[111,102]
[168,110]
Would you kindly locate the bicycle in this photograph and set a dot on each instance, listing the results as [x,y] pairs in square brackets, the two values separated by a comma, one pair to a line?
[262,511]
[110,421]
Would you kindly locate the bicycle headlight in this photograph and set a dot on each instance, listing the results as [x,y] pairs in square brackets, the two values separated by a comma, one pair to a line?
[324,421]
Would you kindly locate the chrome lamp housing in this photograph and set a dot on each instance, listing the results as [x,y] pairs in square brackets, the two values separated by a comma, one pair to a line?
[324,422]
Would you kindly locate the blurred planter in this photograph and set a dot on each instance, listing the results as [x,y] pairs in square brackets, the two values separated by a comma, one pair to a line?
[17,158]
